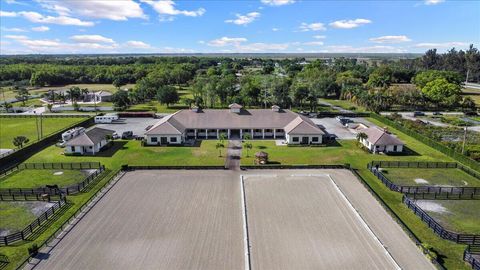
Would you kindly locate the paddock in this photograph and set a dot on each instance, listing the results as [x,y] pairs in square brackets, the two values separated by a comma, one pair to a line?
[216,219]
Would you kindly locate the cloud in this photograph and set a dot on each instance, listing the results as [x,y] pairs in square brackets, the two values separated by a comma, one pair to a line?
[433,2]
[13,29]
[137,44]
[226,41]
[40,28]
[370,49]
[348,24]
[39,18]
[441,45]
[319,37]
[262,47]
[176,50]
[244,19]
[390,39]
[313,43]
[304,27]
[56,46]
[99,9]
[167,7]
[278,2]
[15,37]
[91,39]
[8,13]
[275,29]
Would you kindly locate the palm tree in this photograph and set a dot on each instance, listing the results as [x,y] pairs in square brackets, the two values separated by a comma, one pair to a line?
[219,146]
[361,136]
[84,92]
[248,146]
[222,137]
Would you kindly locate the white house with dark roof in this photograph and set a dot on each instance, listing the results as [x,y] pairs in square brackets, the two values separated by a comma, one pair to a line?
[379,140]
[235,122]
[89,142]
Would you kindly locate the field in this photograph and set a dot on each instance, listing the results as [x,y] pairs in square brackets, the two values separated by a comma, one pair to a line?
[462,216]
[432,177]
[12,127]
[15,217]
[39,178]
[195,220]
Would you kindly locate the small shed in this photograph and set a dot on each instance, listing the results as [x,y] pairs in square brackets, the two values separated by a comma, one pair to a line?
[261,158]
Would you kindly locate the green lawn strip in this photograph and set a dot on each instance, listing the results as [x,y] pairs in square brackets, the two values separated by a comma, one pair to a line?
[132,153]
[345,104]
[12,127]
[15,216]
[18,253]
[443,177]
[39,178]
[461,216]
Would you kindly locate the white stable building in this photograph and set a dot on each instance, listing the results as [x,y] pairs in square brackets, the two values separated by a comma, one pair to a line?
[235,122]
[89,142]
[380,140]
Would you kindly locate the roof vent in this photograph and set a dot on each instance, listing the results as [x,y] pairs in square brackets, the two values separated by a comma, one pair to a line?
[235,108]
[275,108]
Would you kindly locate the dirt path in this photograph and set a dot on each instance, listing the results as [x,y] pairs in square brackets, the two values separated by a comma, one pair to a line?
[234,153]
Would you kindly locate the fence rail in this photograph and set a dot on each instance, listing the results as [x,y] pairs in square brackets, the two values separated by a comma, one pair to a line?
[52,166]
[469,239]
[68,190]
[300,166]
[3,115]
[27,231]
[472,256]
[424,191]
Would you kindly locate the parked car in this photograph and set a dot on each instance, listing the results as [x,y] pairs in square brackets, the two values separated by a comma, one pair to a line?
[339,118]
[437,113]
[471,113]
[418,113]
[115,135]
[127,135]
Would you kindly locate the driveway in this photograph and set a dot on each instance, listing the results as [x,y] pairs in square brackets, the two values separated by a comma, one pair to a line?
[332,126]
[137,125]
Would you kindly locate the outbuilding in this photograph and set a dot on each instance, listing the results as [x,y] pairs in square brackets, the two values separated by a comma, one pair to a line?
[89,142]
[379,140]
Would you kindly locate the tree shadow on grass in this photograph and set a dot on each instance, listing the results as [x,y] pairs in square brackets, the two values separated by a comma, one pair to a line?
[406,152]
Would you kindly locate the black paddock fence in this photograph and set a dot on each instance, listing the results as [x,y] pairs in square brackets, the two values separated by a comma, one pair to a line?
[469,239]
[53,190]
[345,114]
[179,167]
[392,213]
[274,166]
[44,115]
[27,231]
[472,256]
[426,192]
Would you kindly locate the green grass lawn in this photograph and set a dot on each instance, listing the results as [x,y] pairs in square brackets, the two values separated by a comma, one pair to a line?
[461,216]
[35,102]
[39,178]
[345,104]
[433,177]
[15,216]
[12,127]
[132,153]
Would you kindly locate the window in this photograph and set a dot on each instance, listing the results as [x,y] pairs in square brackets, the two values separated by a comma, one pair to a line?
[279,130]
[294,139]
[173,139]
[72,148]
[314,139]
[395,148]
[154,139]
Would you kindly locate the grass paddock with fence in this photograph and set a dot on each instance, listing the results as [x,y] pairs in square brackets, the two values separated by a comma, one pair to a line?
[424,176]
[30,178]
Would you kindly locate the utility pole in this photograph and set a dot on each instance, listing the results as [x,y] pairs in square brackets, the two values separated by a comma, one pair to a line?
[36,123]
[464,139]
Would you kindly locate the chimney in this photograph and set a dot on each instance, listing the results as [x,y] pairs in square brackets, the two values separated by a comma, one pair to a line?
[235,108]
[275,108]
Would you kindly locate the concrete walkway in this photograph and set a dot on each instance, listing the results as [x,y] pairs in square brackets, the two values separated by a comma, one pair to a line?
[234,153]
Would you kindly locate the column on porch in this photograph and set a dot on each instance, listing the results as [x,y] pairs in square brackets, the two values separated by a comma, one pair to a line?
[241,132]
[218,134]
[274,134]
[195,130]
[206,133]
[251,133]
[228,133]
[263,133]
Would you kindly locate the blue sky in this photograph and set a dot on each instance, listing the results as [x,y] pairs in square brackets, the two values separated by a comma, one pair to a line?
[153,26]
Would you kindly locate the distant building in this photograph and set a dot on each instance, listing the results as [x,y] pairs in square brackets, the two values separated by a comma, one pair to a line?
[381,141]
[89,142]
[234,122]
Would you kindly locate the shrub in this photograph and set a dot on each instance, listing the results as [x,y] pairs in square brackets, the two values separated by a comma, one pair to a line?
[33,250]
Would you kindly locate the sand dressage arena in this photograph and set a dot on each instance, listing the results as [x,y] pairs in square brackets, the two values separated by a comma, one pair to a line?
[258,219]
